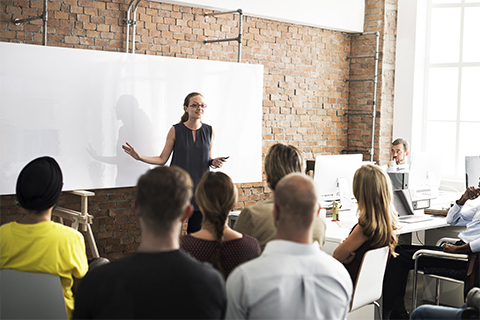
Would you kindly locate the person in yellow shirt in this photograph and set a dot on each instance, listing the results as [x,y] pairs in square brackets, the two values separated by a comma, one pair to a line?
[37,244]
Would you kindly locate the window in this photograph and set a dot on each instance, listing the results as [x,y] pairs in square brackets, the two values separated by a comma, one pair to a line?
[445,80]
[451,125]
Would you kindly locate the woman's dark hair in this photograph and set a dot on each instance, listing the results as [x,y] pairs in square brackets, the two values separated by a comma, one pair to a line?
[216,196]
[186,102]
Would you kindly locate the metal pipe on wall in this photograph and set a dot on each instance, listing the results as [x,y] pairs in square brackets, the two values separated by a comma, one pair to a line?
[374,108]
[45,19]
[43,16]
[134,27]
[240,28]
[129,23]
[375,80]
[240,32]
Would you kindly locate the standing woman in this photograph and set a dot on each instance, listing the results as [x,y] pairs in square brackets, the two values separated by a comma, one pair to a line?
[376,221]
[216,242]
[191,142]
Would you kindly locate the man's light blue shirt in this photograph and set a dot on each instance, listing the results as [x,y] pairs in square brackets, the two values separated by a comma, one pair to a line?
[289,281]
[470,217]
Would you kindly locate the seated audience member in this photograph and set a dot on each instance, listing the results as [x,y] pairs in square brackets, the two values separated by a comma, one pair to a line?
[470,310]
[397,268]
[216,242]
[37,244]
[399,151]
[293,278]
[160,281]
[376,221]
[257,220]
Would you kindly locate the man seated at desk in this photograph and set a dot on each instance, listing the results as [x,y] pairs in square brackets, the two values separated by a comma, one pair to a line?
[398,162]
[397,269]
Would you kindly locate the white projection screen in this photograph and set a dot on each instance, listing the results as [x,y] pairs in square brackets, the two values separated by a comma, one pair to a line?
[80,106]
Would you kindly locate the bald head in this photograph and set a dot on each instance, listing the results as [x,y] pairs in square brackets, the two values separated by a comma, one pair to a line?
[295,201]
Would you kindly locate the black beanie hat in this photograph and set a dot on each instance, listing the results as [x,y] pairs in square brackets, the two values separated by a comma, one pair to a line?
[39,184]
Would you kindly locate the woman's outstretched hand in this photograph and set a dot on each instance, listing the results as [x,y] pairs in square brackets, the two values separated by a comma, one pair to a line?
[131,151]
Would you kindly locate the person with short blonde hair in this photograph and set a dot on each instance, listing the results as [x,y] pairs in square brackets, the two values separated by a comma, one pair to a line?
[257,220]
[377,220]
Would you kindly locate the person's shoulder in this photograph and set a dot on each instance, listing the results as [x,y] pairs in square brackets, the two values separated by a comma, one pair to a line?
[258,209]
[332,266]
[6,226]
[187,241]
[107,271]
[200,271]
[249,240]
[66,230]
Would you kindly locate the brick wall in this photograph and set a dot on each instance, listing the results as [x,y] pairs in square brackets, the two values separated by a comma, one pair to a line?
[304,99]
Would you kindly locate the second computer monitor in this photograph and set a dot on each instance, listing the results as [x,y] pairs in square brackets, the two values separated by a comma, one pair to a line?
[333,173]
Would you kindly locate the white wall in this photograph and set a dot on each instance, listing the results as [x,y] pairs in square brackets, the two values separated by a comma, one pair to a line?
[80,106]
[409,76]
[341,15]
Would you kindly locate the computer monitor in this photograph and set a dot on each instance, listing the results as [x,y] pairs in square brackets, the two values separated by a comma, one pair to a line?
[472,170]
[333,176]
[425,173]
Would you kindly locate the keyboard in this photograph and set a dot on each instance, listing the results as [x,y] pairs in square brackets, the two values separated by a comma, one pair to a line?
[414,219]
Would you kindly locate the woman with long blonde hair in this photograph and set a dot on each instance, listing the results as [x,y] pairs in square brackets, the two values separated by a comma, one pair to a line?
[377,218]
[216,242]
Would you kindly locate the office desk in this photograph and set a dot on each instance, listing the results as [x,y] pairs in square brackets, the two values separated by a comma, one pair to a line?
[338,231]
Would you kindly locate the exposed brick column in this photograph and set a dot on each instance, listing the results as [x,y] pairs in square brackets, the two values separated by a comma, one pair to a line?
[380,16]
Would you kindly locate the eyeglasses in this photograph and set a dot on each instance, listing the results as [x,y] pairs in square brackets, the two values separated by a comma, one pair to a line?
[203,106]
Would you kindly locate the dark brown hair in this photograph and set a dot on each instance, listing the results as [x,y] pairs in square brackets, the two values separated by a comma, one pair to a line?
[216,195]
[162,195]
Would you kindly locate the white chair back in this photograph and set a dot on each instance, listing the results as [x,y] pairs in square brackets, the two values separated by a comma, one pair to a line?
[28,295]
[370,278]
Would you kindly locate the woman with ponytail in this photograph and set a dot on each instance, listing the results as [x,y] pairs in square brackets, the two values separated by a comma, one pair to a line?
[377,218]
[216,242]
[191,141]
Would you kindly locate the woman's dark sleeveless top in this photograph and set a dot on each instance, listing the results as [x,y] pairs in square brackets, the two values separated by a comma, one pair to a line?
[354,266]
[192,156]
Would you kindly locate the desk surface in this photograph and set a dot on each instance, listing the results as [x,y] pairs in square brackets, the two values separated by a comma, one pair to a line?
[338,231]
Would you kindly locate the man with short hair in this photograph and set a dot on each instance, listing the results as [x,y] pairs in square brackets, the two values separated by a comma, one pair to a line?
[37,244]
[159,281]
[257,220]
[293,278]
[399,151]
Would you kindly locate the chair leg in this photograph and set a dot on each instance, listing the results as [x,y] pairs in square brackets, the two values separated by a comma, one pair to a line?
[437,291]
[379,311]
[414,289]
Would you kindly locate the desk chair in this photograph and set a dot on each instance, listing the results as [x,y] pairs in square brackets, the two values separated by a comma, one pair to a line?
[438,255]
[28,295]
[369,285]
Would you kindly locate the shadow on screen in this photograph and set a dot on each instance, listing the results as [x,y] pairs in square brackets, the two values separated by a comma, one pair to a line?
[137,130]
